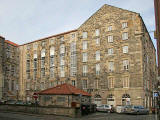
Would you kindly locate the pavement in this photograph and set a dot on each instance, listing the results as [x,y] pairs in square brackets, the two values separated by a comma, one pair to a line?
[94,116]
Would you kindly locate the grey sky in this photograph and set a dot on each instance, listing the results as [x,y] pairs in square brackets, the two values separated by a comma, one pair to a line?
[23,21]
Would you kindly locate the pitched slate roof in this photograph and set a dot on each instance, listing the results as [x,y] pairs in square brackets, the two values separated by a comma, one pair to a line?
[64,89]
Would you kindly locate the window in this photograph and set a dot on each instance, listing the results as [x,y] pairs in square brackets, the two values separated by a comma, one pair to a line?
[51,84]
[124,36]
[62,61]
[110,51]
[73,47]
[110,38]
[98,41]
[35,55]
[111,66]
[84,57]
[111,82]
[84,84]
[28,47]
[97,69]
[12,87]
[35,74]
[43,53]
[51,72]
[109,28]
[42,72]
[124,25]
[85,70]
[84,35]
[62,39]
[52,41]
[52,51]
[62,49]
[73,82]
[27,86]
[125,82]
[43,43]
[97,32]
[62,71]
[125,64]
[43,62]
[35,64]
[125,49]
[84,45]
[42,85]
[28,74]
[61,99]
[73,36]
[35,46]
[98,55]
[51,61]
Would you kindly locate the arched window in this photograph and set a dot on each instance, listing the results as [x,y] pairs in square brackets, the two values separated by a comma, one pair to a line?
[126,99]
[97,99]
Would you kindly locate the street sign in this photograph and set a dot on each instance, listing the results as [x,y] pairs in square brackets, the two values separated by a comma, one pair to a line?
[35,95]
[155,94]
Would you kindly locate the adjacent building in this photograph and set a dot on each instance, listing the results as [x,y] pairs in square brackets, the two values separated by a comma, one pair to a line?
[9,69]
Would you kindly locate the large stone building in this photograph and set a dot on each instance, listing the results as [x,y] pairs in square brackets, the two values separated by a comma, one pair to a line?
[9,69]
[111,55]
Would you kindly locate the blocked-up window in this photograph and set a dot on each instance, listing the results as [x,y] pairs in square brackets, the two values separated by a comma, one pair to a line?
[126,82]
[111,66]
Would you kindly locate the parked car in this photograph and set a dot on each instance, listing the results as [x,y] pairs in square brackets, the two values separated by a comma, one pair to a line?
[104,108]
[11,102]
[19,102]
[133,109]
[120,109]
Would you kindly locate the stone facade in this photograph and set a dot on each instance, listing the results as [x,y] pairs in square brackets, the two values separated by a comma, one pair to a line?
[9,69]
[111,56]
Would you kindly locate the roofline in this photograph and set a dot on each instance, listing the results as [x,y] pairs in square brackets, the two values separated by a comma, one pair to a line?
[101,8]
[11,43]
[50,36]
[2,37]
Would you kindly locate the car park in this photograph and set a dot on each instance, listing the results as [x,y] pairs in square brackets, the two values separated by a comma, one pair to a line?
[104,108]
[134,109]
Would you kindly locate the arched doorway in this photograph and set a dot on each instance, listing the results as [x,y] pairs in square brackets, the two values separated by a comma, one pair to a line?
[126,99]
[97,99]
[111,100]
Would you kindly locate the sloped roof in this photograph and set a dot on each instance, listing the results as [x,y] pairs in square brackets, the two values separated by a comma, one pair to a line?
[11,43]
[64,89]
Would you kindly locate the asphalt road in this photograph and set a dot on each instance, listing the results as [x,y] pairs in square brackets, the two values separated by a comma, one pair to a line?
[94,116]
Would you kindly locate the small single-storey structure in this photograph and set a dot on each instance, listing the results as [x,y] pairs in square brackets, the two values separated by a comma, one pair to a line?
[64,95]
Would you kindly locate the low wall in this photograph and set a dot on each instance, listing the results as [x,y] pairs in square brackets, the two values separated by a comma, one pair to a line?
[64,111]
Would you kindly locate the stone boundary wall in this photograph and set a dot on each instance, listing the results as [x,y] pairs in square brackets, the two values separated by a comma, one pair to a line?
[64,111]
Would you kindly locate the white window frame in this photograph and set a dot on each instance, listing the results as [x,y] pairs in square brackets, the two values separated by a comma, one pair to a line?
[85,57]
[62,49]
[85,45]
[110,38]
[125,36]
[97,41]
[98,55]
[125,49]
[85,70]
[84,35]
[84,84]
[124,25]
[110,28]
[97,32]
[97,69]
[110,51]
[125,64]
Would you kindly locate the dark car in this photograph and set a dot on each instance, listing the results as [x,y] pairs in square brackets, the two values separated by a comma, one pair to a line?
[135,109]
[11,102]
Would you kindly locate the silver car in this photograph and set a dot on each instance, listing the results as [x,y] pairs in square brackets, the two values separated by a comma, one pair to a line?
[133,109]
[104,108]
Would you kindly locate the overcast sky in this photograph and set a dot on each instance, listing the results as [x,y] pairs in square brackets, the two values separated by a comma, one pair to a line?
[23,21]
